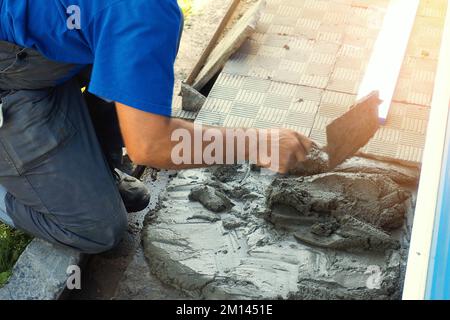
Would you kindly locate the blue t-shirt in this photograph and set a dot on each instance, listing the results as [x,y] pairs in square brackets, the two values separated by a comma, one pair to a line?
[132,44]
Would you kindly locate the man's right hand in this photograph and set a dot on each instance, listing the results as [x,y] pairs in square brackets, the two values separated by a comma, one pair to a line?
[293,149]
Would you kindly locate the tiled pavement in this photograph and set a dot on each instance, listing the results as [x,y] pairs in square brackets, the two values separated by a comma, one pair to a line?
[303,66]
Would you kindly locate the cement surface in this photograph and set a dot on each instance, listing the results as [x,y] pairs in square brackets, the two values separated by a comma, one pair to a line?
[138,283]
[339,235]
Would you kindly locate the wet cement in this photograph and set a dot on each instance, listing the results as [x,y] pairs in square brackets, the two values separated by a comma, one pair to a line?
[210,198]
[233,233]
[339,210]
[316,162]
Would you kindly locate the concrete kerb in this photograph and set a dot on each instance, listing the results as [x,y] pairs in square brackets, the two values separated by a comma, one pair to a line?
[41,273]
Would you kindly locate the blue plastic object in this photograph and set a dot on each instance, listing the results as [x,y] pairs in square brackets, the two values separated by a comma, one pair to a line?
[438,286]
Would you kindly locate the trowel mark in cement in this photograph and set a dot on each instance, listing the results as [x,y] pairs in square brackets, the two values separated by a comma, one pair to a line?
[239,254]
[351,209]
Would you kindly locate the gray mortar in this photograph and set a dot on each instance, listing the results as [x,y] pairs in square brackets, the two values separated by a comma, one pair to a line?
[211,198]
[358,207]
[316,162]
[315,237]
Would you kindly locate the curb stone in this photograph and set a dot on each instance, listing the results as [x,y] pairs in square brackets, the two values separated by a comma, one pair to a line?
[40,272]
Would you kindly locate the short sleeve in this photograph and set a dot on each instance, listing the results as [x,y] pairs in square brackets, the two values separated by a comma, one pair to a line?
[134,45]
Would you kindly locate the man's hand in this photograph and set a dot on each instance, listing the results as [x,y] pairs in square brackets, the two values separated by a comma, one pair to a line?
[148,138]
[294,149]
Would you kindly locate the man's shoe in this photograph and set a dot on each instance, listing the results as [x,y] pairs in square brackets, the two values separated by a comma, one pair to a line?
[134,193]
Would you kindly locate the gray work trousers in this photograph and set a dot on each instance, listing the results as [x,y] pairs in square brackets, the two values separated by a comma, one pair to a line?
[55,182]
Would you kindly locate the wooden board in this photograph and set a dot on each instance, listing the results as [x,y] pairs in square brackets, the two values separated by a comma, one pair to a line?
[220,29]
[232,42]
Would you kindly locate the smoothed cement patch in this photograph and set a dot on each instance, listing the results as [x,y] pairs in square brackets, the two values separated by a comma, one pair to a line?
[243,252]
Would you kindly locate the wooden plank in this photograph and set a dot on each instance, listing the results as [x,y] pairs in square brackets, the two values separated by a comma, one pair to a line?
[389,52]
[428,195]
[201,62]
[232,41]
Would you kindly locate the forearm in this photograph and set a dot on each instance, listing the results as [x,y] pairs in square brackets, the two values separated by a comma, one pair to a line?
[166,143]
[183,145]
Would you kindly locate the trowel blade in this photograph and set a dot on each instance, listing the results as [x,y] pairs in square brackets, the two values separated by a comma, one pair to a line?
[352,131]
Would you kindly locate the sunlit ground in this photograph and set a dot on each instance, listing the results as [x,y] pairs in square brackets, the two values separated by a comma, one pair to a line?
[192,6]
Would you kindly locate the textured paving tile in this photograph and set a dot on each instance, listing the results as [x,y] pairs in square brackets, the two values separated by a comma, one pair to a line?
[303,67]
[178,111]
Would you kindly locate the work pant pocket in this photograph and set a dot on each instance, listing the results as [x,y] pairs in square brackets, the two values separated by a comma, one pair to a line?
[34,124]
[27,69]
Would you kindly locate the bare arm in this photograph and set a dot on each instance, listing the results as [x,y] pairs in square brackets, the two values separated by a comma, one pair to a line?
[148,138]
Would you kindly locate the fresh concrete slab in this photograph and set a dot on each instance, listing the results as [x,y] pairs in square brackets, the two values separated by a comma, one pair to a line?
[339,235]
[138,283]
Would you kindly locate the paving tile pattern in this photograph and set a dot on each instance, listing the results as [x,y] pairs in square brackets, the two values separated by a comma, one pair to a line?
[303,67]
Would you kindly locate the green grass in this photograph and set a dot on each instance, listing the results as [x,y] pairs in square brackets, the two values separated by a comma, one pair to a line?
[12,244]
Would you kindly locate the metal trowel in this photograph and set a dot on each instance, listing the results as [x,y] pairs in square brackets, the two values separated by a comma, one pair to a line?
[345,135]
[353,130]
